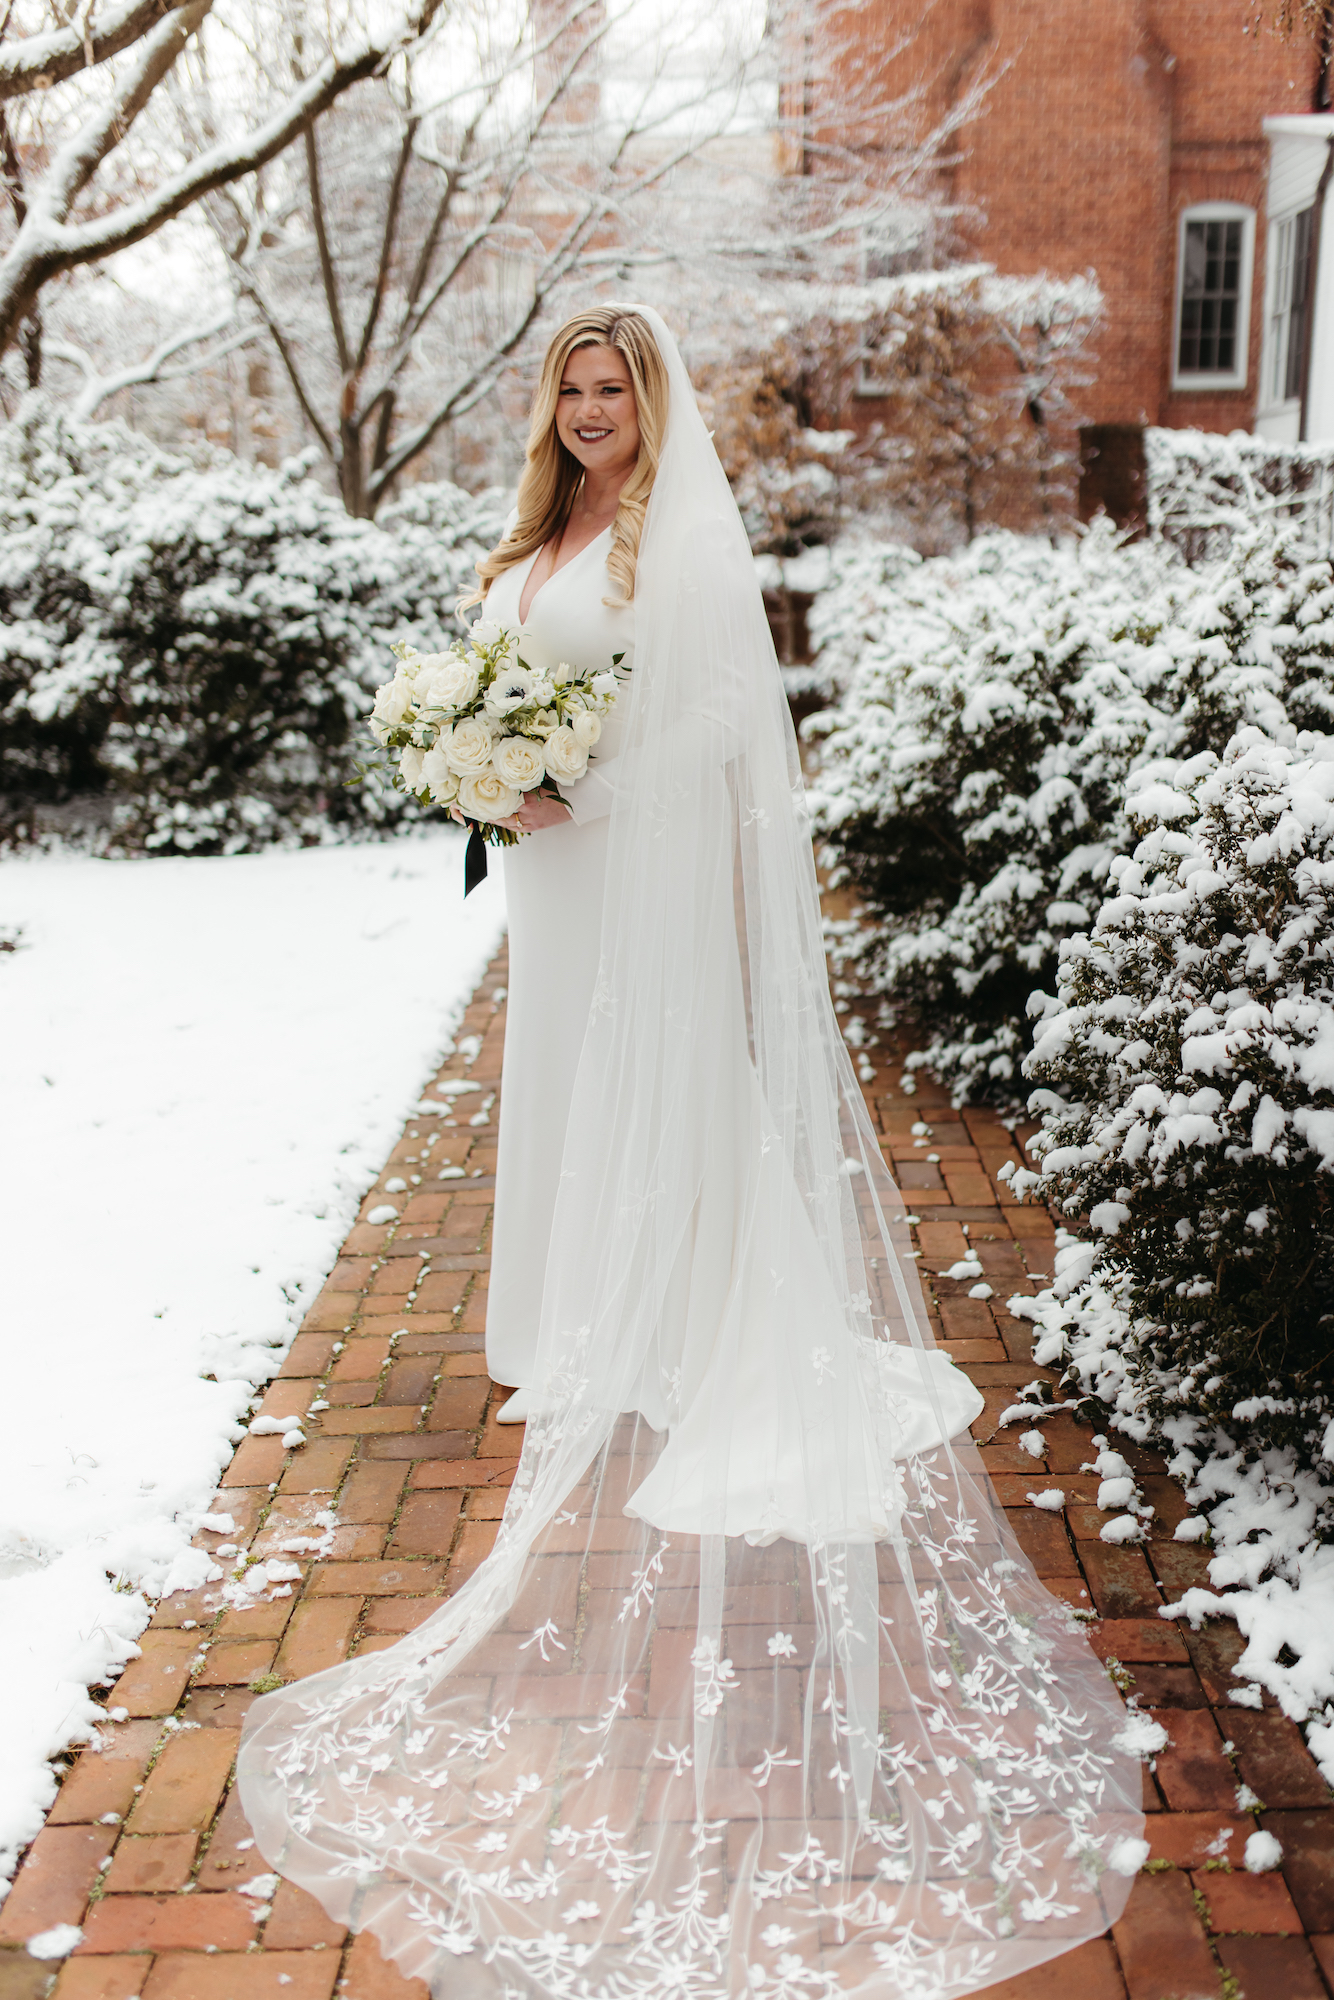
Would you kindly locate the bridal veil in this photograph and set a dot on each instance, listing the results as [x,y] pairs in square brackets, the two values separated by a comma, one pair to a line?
[757,1694]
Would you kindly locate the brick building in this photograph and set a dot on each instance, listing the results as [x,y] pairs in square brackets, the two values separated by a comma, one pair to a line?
[1125,137]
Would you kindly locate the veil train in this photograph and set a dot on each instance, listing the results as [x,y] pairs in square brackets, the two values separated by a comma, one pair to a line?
[757,1694]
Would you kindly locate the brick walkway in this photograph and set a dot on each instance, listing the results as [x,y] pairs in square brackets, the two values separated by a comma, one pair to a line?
[146,1847]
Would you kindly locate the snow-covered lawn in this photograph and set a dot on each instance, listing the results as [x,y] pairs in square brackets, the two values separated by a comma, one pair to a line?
[202,1066]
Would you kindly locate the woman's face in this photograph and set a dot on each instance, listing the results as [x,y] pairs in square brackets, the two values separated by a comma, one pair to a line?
[596,417]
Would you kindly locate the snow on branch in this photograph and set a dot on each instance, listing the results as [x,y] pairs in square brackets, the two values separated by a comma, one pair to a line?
[1204,488]
[37,61]
[48,242]
[153,368]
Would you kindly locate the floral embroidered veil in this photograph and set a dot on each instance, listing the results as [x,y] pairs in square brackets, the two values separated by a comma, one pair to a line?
[757,1694]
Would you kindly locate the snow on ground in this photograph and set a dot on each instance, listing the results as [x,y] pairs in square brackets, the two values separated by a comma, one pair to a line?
[203,1064]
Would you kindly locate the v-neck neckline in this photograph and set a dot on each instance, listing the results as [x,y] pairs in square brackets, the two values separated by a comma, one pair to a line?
[524,617]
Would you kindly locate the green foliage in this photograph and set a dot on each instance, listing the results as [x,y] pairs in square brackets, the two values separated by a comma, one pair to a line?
[991,708]
[1187,1073]
[189,648]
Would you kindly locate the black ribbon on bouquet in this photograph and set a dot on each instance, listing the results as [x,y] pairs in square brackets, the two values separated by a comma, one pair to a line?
[474,861]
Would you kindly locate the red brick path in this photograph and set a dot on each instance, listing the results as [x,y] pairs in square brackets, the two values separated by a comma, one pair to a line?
[146,1845]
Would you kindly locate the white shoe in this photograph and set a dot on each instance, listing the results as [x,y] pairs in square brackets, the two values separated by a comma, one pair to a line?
[518,1409]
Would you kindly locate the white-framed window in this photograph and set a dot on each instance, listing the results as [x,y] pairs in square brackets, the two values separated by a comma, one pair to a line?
[1215,253]
[1289,279]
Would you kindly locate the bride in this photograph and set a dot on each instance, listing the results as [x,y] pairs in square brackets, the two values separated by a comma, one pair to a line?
[757,1694]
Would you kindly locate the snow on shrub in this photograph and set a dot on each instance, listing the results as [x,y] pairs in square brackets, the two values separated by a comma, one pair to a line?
[187,646]
[1191,1041]
[1186,1066]
[990,709]
[1204,487]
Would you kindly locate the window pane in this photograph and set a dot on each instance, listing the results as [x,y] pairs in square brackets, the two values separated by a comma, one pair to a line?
[1299,281]
[1210,297]
[1281,255]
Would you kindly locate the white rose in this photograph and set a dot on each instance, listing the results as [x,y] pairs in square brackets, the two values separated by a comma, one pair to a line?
[448,683]
[605,684]
[519,762]
[410,768]
[587,729]
[566,756]
[467,746]
[485,795]
[392,703]
[437,776]
[513,687]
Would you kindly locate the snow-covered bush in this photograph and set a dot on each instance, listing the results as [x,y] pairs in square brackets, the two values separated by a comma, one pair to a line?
[990,708]
[1204,487]
[1186,1073]
[187,647]
[965,378]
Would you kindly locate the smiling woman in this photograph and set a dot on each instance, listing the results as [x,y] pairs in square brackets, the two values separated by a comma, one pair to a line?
[601,374]
[586,419]
[597,421]
[756,1695]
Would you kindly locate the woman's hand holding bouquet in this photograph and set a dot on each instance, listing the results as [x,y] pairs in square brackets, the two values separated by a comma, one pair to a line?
[477,730]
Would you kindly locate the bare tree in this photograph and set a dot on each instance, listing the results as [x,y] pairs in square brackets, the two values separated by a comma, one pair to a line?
[72,95]
[940,398]
[400,258]
[403,257]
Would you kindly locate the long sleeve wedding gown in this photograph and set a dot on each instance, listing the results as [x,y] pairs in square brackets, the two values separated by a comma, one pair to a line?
[757,1697]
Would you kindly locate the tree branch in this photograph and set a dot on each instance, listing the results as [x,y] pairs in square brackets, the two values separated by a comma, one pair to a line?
[75,165]
[13,168]
[328,276]
[387,241]
[47,244]
[415,313]
[479,379]
[153,368]
[288,359]
[37,61]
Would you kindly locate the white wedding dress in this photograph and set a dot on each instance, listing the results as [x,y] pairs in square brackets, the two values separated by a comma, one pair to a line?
[554,883]
[553,894]
[757,1697]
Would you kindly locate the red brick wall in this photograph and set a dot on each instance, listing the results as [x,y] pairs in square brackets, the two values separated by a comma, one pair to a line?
[1104,119]
[1070,165]
[1225,83]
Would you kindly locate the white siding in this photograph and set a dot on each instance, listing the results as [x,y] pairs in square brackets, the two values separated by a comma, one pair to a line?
[1298,149]
[1295,165]
[1281,425]
[1320,421]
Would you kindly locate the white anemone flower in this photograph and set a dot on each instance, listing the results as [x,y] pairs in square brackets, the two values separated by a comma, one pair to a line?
[514,687]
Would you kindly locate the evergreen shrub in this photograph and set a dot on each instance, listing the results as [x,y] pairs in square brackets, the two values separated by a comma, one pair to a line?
[987,712]
[188,647]
[1185,1067]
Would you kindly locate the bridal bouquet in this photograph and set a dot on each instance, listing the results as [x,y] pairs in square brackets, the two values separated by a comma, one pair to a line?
[475,728]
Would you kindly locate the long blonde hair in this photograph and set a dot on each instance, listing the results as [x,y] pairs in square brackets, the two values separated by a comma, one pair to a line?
[552,474]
